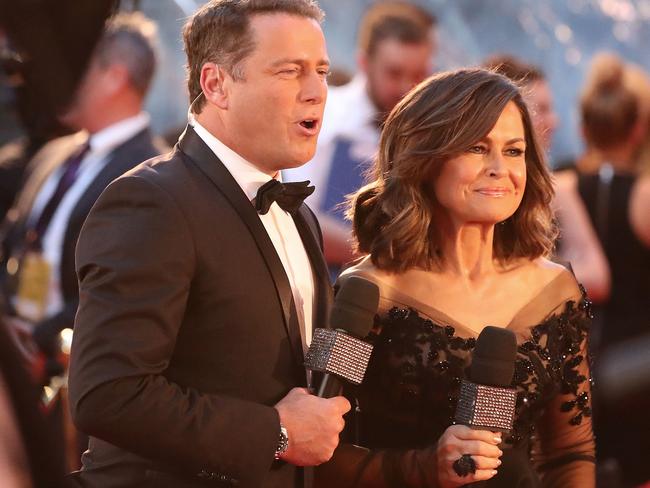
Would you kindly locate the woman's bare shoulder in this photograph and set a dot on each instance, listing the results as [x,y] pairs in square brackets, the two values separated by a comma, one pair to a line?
[363,268]
[546,273]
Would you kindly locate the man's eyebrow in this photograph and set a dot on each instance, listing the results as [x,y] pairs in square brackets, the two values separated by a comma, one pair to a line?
[301,62]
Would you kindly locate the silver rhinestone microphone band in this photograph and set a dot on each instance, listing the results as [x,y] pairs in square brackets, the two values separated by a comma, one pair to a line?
[332,351]
[486,407]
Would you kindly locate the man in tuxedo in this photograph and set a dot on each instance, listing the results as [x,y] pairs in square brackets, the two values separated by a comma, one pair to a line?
[67,176]
[202,276]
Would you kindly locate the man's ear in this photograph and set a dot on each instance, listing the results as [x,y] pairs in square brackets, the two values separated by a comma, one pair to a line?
[362,61]
[115,77]
[214,83]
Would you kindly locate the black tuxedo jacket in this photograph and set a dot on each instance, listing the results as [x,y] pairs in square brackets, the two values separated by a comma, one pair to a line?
[186,334]
[124,157]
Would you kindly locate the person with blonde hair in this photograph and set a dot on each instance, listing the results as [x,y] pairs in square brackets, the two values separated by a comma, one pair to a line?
[614,106]
[455,230]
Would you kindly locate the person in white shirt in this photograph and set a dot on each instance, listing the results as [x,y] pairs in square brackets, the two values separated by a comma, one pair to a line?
[396,47]
[67,176]
[202,275]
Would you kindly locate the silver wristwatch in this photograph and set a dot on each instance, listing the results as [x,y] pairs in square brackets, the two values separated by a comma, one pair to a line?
[283,442]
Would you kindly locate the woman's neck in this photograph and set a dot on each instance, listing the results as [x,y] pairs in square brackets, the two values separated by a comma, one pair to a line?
[467,251]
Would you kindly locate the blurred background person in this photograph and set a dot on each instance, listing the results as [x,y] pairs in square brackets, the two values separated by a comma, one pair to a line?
[536,92]
[607,176]
[31,456]
[578,243]
[395,51]
[39,283]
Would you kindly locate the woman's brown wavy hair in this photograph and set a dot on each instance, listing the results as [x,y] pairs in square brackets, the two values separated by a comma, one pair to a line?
[439,119]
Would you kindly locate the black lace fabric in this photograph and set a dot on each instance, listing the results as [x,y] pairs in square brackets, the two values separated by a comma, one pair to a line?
[411,389]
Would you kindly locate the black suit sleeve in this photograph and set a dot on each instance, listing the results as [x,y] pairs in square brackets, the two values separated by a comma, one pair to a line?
[135,261]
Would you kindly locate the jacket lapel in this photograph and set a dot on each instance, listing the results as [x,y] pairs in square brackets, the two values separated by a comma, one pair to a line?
[45,163]
[308,230]
[200,155]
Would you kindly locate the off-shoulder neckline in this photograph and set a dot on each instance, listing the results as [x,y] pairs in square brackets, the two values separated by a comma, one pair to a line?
[549,292]
[441,320]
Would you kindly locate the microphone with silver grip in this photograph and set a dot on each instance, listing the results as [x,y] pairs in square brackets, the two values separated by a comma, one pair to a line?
[339,352]
[487,401]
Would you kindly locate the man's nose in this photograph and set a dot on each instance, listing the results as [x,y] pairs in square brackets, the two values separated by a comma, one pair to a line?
[314,88]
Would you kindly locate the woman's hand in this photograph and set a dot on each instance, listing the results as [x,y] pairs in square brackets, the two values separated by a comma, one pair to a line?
[481,445]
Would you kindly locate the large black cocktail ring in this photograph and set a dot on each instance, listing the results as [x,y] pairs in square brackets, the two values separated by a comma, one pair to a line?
[464,465]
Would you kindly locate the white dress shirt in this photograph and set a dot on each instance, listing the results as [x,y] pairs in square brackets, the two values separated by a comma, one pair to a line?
[101,145]
[278,224]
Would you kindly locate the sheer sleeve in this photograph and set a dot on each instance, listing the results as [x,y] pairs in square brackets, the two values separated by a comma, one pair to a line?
[565,449]
[358,467]
[385,384]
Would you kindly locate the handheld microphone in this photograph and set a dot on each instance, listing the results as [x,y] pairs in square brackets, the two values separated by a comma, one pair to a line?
[339,352]
[486,401]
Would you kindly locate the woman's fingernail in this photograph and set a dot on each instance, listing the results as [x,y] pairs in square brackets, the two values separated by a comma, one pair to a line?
[500,453]
[494,472]
[497,439]
[498,462]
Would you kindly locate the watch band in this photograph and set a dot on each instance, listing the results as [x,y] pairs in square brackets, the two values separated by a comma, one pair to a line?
[283,442]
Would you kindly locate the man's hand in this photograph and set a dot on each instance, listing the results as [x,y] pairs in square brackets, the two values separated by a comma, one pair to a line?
[313,425]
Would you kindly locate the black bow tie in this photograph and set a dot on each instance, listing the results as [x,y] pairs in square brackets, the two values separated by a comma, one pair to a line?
[288,195]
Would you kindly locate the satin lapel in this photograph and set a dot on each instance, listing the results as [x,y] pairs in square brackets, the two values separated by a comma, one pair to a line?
[323,287]
[201,155]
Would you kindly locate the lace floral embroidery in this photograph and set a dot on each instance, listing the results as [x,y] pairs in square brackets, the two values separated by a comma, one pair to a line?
[417,367]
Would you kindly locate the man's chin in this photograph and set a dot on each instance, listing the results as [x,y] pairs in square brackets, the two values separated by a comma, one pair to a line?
[296,163]
[300,159]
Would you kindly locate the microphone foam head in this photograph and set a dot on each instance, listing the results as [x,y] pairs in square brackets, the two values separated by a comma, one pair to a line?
[493,360]
[355,306]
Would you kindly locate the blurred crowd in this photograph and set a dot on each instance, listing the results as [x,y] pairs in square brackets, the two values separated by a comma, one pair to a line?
[49,182]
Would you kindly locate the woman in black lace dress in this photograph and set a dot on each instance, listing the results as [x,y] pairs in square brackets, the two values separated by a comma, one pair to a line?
[455,228]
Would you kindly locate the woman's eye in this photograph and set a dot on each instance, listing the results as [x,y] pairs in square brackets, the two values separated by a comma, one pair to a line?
[478,149]
[515,152]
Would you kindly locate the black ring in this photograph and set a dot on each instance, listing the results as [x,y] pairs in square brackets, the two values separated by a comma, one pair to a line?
[464,465]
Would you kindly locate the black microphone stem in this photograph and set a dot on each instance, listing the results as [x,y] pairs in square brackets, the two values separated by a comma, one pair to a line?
[330,387]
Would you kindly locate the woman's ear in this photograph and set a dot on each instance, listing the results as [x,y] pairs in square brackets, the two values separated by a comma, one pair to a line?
[214,83]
